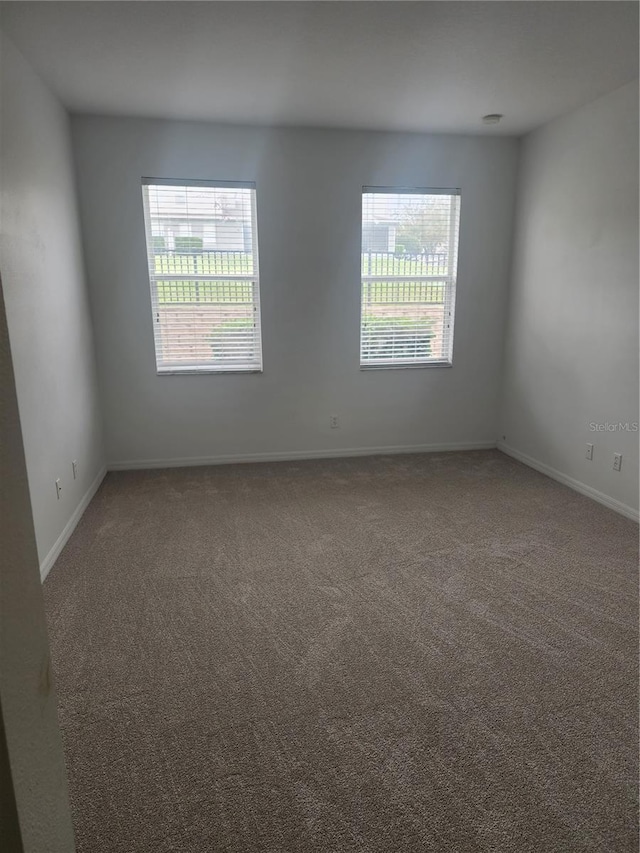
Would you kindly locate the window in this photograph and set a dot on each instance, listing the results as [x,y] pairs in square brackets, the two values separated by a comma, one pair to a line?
[409,261]
[203,268]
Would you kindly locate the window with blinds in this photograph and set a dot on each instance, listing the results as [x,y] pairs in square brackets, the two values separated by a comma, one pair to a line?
[202,252]
[409,261]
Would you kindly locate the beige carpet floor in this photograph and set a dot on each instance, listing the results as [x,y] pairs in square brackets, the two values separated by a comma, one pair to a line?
[407,653]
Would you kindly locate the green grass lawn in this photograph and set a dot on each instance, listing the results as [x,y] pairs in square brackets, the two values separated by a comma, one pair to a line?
[204,263]
[385,263]
[175,292]
[179,290]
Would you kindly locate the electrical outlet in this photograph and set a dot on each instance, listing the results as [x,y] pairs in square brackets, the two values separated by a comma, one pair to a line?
[58,489]
[74,468]
[589,452]
[617,461]
[334,423]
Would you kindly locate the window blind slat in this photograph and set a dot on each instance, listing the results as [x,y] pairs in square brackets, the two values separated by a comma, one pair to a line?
[203,270]
[408,276]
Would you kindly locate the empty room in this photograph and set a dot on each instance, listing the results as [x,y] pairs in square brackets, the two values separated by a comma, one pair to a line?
[319,362]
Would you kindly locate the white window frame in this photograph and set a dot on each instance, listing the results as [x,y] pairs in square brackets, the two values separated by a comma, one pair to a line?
[197,366]
[450,281]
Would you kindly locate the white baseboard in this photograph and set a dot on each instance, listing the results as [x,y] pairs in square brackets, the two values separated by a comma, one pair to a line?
[47,564]
[576,485]
[294,455]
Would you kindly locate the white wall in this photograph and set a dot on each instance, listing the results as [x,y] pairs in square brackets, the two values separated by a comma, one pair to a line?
[309,185]
[37,783]
[46,301]
[571,356]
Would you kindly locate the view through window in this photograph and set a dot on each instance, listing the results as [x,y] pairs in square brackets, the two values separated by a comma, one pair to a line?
[203,270]
[409,261]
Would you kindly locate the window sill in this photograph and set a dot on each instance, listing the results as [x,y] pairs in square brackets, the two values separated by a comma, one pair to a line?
[206,371]
[418,366]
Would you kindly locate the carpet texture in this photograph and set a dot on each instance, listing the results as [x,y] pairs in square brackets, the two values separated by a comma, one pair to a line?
[407,653]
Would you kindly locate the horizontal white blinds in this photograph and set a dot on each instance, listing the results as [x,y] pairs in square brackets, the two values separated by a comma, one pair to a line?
[409,261]
[203,269]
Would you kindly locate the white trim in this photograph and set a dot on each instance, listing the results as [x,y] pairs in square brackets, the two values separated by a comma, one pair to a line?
[576,485]
[293,455]
[412,190]
[47,564]
[188,182]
